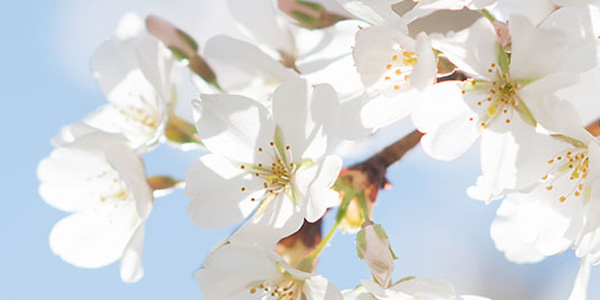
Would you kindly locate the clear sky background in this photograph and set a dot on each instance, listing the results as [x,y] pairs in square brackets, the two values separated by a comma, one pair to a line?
[46,83]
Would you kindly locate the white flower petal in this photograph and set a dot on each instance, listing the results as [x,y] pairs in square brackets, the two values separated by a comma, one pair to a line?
[301,111]
[282,218]
[230,272]
[382,110]
[504,232]
[261,20]
[319,288]
[423,74]
[320,195]
[444,117]
[95,238]
[376,12]
[535,52]
[472,50]
[233,126]
[580,286]
[426,288]
[131,170]
[238,64]
[370,60]
[214,184]
[131,266]
[359,294]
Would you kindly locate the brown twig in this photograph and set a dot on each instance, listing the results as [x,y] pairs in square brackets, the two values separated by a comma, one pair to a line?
[594,128]
[376,167]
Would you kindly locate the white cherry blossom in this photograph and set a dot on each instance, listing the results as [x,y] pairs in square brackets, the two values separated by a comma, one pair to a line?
[273,168]
[394,69]
[504,100]
[99,178]
[408,289]
[234,272]
[134,72]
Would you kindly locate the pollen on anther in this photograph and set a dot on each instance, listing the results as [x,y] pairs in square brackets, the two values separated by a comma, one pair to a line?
[489,70]
[265,185]
[287,147]
[549,187]
[463,91]
[471,119]
[252,199]
[395,57]
[562,198]
[260,165]
[272,143]
[243,189]
[577,194]
[396,87]
[398,72]
[507,121]
[242,167]
[545,177]
[388,78]
[253,290]
[389,67]
[260,149]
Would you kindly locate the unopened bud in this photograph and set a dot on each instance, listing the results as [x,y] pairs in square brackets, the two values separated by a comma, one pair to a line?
[182,45]
[372,245]
[309,14]
[171,36]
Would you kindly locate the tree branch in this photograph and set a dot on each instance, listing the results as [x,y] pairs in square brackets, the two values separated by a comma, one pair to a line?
[594,128]
[375,167]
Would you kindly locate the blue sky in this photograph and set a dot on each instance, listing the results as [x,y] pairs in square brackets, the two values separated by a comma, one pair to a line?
[435,229]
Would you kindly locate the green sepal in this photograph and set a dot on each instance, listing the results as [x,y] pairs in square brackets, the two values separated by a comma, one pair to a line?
[503,60]
[312,5]
[407,278]
[188,39]
[305,265]
[525,113]
[361,243]
[572,141]
[180,131]
[306,19]
[178,53]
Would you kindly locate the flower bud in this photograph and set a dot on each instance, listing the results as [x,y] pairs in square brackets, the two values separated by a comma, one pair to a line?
[373,246]
[182,45]
[309,14]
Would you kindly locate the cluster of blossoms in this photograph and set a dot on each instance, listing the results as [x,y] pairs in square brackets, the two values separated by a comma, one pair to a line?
[274,113]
